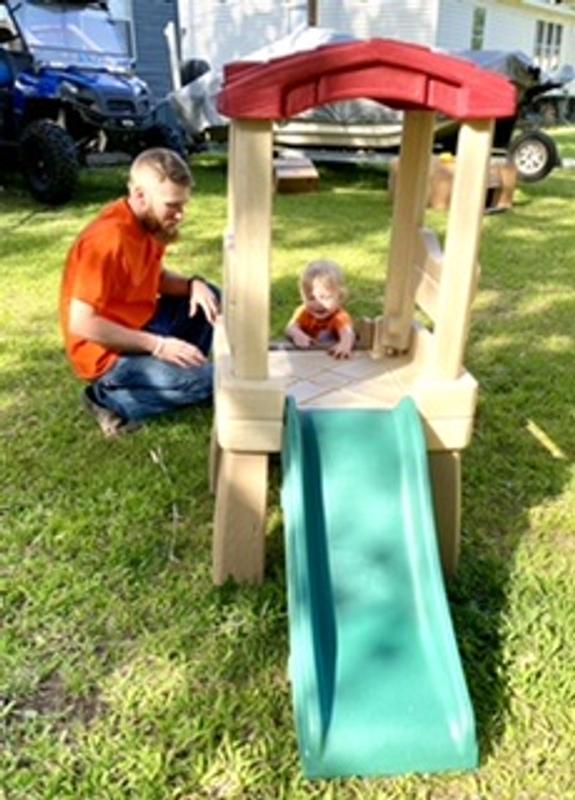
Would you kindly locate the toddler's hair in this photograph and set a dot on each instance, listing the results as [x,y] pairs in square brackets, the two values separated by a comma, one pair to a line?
[328,273]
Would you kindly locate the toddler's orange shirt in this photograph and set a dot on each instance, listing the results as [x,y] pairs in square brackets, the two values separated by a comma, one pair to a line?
[115,267]
[314,327]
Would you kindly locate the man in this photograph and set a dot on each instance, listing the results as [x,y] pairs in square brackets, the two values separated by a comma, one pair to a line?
[137,332]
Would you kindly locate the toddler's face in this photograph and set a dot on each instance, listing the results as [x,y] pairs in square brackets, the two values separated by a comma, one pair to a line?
[322,300]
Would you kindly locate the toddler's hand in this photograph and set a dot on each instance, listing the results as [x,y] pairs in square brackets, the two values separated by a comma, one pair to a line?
[301,339]
[340,350]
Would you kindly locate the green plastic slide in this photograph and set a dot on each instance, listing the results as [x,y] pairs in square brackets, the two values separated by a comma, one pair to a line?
[377,681]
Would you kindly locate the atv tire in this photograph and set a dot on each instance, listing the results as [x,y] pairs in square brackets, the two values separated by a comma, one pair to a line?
[534,153]
[49,162]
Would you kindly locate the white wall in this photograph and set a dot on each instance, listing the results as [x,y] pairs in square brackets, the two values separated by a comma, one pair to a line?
[413,20]
[506,28]
[454,25]
[509,28]
[224,30]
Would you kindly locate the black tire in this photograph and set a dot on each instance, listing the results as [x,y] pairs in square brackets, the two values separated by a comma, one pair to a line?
[49,162]
[162,135]
[192,69]
[534,153]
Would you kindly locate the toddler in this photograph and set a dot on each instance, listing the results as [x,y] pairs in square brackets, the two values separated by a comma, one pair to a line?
[321,319]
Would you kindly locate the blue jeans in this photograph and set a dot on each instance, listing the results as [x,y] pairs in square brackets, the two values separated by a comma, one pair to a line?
[141,386]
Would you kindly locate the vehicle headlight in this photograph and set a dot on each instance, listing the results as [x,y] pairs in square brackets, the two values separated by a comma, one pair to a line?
[141,87]
[69,88]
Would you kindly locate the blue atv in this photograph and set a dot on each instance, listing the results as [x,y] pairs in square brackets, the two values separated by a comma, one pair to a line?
[67,89]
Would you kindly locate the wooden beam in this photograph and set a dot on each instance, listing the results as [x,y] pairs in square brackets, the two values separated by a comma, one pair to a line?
[239,524]
[445,469]
[249,267]
[460,265]
[408,213]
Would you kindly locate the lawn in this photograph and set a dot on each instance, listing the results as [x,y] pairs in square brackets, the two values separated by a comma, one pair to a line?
[565,138]
[124,673]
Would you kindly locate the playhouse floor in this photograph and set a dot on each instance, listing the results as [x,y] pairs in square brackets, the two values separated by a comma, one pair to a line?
[317,380]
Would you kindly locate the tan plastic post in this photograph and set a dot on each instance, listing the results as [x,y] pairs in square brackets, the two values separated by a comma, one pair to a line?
[445,468]
[228,242]
[241,478]
[214,460]
[408,212]
[249,283]
[458,277]
[239,525]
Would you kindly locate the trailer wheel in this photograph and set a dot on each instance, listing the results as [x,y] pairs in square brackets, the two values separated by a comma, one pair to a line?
[534,153]
[49,162]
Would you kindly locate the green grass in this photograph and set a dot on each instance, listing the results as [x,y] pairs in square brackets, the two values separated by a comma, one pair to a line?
[124,673]
[565,139]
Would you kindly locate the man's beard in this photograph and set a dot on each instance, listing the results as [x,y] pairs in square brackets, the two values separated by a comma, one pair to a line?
[153,225]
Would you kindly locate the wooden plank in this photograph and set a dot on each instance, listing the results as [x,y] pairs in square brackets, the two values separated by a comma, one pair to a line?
[239,522]
[292,175]
[501,183]
[250,435]
[445,469]
[250,285]
[214,459]
[408,213]
[459,279]
[453,398]
[447,433]
[328,134]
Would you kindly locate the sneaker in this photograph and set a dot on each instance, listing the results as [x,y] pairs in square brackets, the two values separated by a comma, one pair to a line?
[111,424]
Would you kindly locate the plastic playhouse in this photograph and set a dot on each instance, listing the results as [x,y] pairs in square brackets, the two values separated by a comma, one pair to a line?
[370,446]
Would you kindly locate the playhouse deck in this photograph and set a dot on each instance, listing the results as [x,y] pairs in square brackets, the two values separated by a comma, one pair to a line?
[316,380]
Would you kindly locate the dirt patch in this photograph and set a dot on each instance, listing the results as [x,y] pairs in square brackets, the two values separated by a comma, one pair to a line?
[53,699]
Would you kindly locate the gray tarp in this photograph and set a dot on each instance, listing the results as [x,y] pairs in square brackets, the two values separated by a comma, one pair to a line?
[195,103]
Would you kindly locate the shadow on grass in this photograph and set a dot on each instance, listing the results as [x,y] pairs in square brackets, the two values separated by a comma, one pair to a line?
[520,455]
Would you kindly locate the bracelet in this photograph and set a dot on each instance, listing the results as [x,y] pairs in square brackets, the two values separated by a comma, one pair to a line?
[160,344]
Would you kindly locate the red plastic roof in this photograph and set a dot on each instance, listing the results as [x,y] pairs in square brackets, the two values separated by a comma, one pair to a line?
[398,74]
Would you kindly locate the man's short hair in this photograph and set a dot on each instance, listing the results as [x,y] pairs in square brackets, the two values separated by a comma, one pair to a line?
[164,164]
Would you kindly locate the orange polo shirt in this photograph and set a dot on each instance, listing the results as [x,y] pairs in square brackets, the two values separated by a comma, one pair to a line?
[114,266]
[314,327]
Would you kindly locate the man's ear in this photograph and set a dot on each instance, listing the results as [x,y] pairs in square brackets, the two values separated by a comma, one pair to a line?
[138,195]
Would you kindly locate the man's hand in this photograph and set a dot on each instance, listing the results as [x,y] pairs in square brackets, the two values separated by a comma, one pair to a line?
[179,352]
[201,295]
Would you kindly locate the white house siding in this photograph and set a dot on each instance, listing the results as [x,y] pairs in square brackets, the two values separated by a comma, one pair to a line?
[505,28]
[509,29]
[454,25]
[412,21]
[224,30]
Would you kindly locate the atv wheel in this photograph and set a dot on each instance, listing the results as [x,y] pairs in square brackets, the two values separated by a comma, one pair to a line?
[534,153]
[49,162]
[161,135]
